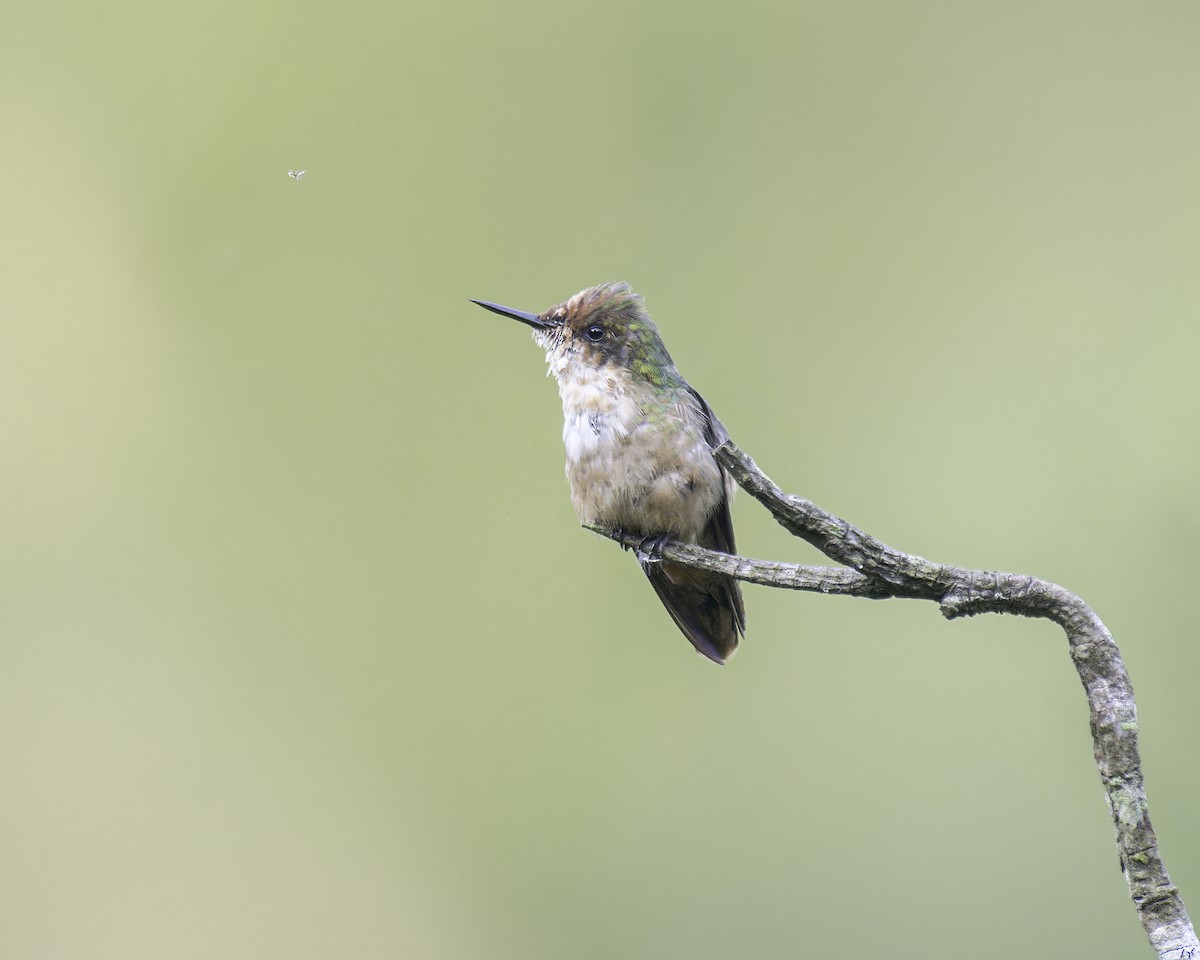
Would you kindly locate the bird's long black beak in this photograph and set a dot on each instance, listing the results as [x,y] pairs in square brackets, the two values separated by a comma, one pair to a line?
[530,318]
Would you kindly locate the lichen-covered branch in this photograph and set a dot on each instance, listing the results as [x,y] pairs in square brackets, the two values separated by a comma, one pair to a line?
[874,570]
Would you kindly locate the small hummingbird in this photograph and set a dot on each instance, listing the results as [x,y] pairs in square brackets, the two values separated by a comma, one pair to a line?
[640,444]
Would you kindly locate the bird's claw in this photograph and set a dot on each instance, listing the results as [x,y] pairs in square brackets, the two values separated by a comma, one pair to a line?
[650,549]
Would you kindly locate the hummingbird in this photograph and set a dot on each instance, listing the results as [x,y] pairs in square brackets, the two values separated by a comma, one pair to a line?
[640,445]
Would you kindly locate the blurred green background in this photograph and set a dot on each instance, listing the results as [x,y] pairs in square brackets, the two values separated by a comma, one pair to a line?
[303,652]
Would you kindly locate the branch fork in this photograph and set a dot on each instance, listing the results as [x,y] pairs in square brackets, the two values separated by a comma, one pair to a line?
[871,569]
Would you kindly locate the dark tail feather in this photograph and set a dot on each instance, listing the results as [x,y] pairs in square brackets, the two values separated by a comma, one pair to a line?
[707,607]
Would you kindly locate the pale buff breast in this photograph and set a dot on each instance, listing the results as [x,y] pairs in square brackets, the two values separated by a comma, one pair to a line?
[634,461]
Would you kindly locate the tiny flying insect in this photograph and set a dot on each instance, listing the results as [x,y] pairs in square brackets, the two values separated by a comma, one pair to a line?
[297,174]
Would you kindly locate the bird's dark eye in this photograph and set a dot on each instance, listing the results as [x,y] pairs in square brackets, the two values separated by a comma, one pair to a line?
[595,333]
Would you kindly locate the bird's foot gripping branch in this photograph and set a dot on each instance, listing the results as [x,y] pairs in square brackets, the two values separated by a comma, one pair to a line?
[873,570]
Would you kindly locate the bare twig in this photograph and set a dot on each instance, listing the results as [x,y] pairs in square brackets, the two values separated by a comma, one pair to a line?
[876,571]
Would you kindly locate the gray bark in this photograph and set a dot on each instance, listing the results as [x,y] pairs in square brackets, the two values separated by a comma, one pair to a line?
[874,570]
